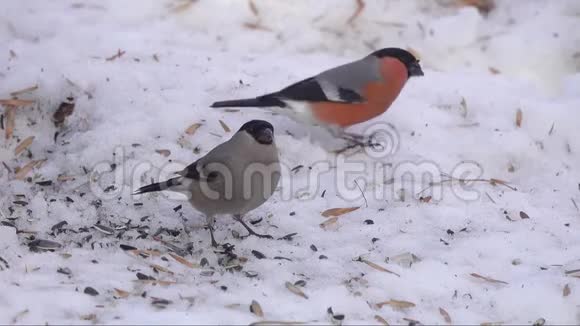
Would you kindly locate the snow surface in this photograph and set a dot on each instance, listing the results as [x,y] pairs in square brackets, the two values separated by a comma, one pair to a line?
[460,119]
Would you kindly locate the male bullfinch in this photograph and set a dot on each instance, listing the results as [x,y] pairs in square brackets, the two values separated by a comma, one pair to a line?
[233,178]
[344,95]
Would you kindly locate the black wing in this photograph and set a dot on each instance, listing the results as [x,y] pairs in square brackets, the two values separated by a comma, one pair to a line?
[310,90]
[191,172]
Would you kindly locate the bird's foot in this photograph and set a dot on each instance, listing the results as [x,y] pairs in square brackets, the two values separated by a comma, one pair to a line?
[358,141]
[250,230]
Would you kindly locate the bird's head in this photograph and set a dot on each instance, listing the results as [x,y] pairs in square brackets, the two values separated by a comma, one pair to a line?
[262,131]
[406,57]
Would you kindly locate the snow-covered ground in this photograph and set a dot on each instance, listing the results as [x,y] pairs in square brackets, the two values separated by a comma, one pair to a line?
[500,250]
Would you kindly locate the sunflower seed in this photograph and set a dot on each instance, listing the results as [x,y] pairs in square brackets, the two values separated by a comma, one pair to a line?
[294,289]
[258,254]
[127,247]
[256,309]
[143,277]
[288,236]
[103,229]
[90,291]
[64,270]
[301,283]
[41,244]
[160,303]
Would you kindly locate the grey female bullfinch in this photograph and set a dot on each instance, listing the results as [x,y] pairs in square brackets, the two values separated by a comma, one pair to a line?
[233,178]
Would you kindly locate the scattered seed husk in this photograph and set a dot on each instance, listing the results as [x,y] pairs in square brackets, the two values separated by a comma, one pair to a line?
[334,212]
[406,259]
[64,110]
[396,304]
[294,289]
[193,128]
[183,261]
[488,279]
[14,102]
[92,317]
[63,178]
[9,117]
[23,145]
[127,247]
[256,309]
[103,229]
[64,270]
[258,254]
[381,320]
[161,269]
[313,248]
[58,225]
[412,322]
[164,152]
[566,291]
[523,215]
[573,273]
[335,319]
[301,283]
[203,262]
[121,294]
[463,104]
[251,274]
[24,90]
[225,126]
[143,277]
[207,273]
[493,71]
[22,172]
[160,303]
[90,291]
[445,315]
[329,222]
[375,266]
[288,236]
[539,322]
[519,117]
[44,244]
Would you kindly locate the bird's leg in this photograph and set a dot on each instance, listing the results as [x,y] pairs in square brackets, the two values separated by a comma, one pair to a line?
[250,231]
[210,222]
[213,242]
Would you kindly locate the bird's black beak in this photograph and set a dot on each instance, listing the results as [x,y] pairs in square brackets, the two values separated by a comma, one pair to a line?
[265,137]
[415,69]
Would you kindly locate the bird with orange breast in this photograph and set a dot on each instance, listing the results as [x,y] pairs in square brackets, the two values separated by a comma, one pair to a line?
[342,96]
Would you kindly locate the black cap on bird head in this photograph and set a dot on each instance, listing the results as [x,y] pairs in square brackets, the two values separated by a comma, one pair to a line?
[262,131]
[406,57]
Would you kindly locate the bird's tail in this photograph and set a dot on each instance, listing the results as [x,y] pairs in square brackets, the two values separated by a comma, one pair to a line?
[259,102]
[171,183]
